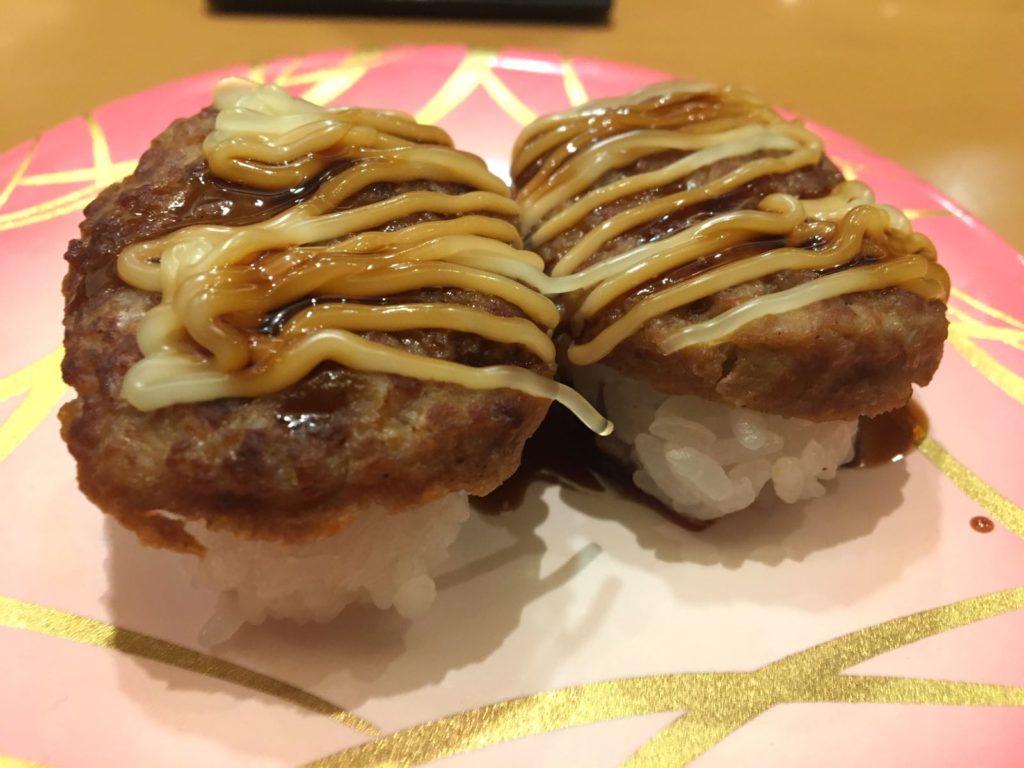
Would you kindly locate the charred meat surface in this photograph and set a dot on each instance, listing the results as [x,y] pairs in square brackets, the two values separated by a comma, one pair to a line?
[289,466]
[840,358]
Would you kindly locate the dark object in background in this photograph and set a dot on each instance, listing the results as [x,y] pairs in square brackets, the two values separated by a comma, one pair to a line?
[519,10]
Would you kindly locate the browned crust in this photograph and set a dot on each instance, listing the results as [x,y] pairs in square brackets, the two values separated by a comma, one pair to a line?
[286,467]
[856,355]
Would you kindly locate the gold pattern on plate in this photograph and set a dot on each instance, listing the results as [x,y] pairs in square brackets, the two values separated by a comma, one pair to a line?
[41,388]
[715,703]
[257,73]
[850,171]
[925,213]
[972,321]
[287,69]
[324,86]
[575,91]
[475,70]
[100,174]
[287,79]
[17,176]
[988,498]
[6,761]
[117,172]
[72,202]
[18,614]
[330,85]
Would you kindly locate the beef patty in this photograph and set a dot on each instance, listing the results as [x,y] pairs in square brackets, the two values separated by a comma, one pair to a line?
[840,358]
[290,466]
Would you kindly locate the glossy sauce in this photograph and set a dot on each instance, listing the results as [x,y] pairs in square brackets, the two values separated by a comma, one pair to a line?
[563,452]
[560,452]
[621,305]
[208,199]
[268,284]
[313,403]
[982,524]
[889,437]
[577,203]
[204,200]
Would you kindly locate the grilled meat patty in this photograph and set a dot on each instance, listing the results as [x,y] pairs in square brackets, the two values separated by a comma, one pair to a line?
[289,466]
[849,356]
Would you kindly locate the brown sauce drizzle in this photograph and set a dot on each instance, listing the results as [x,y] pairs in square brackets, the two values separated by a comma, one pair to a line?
[564,452]
[208,199]
[577,203]
[622,304]
[305,273]
[205,199]
[889,437]
[316,400]
[558,452]
[982,524]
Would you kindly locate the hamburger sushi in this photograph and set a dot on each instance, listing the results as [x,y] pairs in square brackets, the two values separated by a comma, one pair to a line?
[299,338]
[728,299]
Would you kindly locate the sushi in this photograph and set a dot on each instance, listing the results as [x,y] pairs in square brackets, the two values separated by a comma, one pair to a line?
[300,338]
[730,300]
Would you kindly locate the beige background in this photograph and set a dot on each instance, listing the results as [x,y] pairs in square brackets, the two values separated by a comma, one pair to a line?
[937,85]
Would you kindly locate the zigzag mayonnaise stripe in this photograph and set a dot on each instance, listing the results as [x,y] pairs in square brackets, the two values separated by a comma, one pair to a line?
[219,286]
[571,189]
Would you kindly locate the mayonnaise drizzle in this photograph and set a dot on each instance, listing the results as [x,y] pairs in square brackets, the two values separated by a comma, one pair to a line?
[569,155]
[220,284]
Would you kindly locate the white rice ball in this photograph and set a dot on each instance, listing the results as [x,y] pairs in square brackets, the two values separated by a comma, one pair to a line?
[704,459]
[382,558]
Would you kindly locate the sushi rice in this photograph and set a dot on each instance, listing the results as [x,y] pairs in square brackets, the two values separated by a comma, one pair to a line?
[705,460]
[702,459]
[380,557]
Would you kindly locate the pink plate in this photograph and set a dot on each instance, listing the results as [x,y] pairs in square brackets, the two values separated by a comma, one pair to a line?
[875,626]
